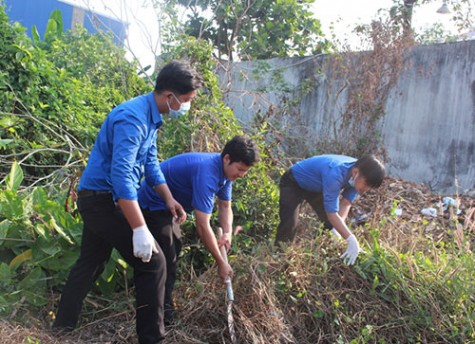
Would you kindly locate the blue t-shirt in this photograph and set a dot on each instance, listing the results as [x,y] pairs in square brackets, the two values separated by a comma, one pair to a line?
[194,180]
[125,150]
[328,174]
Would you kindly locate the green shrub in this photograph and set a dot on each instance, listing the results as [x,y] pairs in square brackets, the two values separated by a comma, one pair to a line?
[56,94]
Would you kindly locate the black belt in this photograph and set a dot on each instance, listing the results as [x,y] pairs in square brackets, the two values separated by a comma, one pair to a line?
[89,193]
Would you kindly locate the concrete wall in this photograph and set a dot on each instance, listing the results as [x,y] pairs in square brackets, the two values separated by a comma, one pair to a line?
[429,126]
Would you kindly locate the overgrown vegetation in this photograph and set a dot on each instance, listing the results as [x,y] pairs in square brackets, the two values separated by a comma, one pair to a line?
[55,95]
[414,284]
[306,295]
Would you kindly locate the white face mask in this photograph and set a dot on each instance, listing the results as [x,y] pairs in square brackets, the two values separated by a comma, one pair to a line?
[351,181]
[184,108]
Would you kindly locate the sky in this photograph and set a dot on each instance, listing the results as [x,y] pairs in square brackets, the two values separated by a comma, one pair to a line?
[342,15]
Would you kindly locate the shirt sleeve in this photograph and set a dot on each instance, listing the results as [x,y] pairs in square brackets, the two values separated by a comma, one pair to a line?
[153,173]
[331,188]
[128,136]
[204,190]
[225,193]
[350,194]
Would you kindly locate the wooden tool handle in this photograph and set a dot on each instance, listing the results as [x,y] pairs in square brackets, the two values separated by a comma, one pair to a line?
[222,249]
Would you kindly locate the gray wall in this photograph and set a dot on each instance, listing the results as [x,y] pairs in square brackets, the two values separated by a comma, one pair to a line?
[429,126]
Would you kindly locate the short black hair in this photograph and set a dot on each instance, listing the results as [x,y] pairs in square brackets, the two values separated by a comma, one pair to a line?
[372,170]
[178,76]
[241,149]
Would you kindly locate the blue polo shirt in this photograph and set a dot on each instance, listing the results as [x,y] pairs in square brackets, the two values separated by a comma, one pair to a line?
[125,150]
[328,174]
[194,180]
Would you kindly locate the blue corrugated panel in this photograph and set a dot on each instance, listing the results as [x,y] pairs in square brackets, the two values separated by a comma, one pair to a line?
[37,12]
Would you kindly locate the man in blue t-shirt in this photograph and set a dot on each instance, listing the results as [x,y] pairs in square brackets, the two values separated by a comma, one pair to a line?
[124,152]
[195,179]
[329,183]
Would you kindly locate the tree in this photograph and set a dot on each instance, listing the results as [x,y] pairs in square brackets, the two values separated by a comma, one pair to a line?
[256,29]
[402,11]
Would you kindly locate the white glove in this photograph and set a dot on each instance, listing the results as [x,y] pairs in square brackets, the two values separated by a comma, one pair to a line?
[144,243]
[335,235]
[352,251]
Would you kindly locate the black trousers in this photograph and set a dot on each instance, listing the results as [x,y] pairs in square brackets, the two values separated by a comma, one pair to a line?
[167,234]
[106,228]
[291,197]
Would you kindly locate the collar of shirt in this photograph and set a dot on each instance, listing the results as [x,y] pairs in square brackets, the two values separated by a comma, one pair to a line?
[156,115]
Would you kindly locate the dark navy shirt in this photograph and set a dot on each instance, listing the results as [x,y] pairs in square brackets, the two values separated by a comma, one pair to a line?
[125,150]
[194,180]
[328,174]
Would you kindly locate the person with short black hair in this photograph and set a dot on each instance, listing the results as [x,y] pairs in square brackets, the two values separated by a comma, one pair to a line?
[195,179]
[329,183]
[125,151]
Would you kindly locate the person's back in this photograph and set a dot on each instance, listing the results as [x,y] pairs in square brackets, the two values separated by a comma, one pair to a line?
[192,178]
[107,173]
[323,171]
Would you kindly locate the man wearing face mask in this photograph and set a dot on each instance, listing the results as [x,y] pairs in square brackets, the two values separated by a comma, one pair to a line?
[329,183]
[125,151]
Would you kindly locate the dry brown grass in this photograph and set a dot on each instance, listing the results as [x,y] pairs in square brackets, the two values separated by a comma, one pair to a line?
[411,230]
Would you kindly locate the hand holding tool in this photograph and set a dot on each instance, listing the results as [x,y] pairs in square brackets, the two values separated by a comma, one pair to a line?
[229,290]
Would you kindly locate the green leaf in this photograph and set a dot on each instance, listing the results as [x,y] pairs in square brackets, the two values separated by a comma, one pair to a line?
[35,35]
[54,28]
[4,226]
[60,231]
[42,231]
[109,271]
[5,274]
[39,197]
[22,51]
[7,122]
[35,280]
[5,142]
[45,248]
[5,306]
[14,179]
[36,298]
[58,18]
[51,29]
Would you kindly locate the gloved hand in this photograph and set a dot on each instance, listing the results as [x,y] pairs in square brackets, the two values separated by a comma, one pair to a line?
[144,243]
[352,251]
[335,235]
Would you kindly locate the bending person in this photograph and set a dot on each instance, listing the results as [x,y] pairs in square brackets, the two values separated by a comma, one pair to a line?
[329,183]
[195,179]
